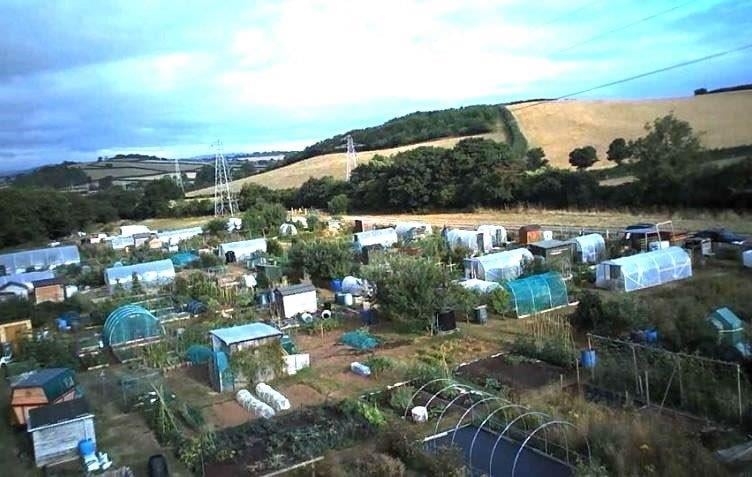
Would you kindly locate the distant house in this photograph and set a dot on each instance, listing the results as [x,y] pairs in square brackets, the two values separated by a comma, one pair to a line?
[40,388]
[294,299]
[57,429]
[131,230]
[149,274]
[13,331]
[11,290]
[49,289]
[236,338]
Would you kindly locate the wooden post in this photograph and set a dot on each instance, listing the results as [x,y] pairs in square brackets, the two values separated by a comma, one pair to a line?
[577,368]
[739,390]
[647,388]
[681,382]
[638,388]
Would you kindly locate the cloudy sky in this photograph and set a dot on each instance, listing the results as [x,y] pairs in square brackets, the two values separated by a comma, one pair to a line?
[81,79]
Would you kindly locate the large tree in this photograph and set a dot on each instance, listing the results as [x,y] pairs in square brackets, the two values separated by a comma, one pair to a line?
[618,150]
[536,159]
[583,157]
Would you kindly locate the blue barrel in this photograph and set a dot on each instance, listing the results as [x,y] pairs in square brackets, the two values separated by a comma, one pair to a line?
[86,447]
[588,358]
[651,336]
[336,285]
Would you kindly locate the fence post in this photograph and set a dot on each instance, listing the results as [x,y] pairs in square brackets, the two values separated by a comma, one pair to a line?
[739,390]
[681,382]
[636,371]
[647,388]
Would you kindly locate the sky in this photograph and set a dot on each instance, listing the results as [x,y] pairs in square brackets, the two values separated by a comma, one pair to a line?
[81,79]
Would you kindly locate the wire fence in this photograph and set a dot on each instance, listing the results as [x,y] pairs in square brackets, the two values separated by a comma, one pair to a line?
[709,388]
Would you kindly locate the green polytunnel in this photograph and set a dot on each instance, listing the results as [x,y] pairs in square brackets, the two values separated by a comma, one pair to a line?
[130,323]
[537,293]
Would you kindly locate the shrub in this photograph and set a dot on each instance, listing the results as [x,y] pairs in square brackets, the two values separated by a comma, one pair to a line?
[379,364]
[400,398]
[377,465]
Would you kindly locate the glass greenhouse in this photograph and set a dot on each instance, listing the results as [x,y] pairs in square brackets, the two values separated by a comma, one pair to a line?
[130,323]
[496,267]
[158,272]
[39,259]
[590,248]
[644,270]
[537,293]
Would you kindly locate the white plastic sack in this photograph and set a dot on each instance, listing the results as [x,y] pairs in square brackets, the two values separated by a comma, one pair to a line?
[420,414]
[272,397]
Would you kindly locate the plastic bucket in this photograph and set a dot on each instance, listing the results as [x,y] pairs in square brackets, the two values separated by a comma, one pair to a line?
[651,336]
[588,358]
[336,285]
[86,447]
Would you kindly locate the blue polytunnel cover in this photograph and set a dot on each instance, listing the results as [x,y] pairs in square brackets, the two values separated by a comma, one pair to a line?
[537,293]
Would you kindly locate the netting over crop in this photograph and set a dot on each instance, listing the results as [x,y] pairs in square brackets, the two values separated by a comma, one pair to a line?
[359,339]
[537,293]
[644,270]
[130,323]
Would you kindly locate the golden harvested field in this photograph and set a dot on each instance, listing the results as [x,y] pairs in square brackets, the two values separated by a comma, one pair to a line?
[723,119]
[685,220]
[333,165]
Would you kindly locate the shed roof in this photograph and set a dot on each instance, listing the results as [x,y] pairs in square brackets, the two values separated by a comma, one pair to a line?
[56,413]
[242,333]
[26,278]
[13,284]
[54,381]
[296,289]
[725,319]
[549,244]
[46,282]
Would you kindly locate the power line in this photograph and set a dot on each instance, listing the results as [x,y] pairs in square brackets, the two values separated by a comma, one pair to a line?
[643,75]
[569,13]
[623,27]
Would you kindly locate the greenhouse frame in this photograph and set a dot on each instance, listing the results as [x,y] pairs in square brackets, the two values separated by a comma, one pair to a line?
[39,259]
[496,267]
[644,270]
[384,237]
[130,324]
[156,273]
[590,248]
[537,293]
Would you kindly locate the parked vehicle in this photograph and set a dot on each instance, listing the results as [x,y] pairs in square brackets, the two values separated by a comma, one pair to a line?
[722,236]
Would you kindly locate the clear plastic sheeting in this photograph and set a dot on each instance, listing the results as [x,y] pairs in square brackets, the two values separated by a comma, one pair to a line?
[407,231]
[497,232]
[354,286]
[39,259]
[474,240]
[26,278]
[644,270]
[537,293]
[272,397]
[480,286]
[156,273]
[130,323]
[384,237]
[256,406]
[288,229]
[244,249]
[175,236]
[590,248]
[497,267]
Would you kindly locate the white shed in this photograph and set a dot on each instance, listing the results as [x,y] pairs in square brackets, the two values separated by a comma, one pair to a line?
[294,300]
[497,232]
[244,249]
[499,266]
[130,230]
[57,429]
[384,237]
[476,241]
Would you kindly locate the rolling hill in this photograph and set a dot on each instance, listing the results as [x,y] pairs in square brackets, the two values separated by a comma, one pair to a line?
[558,127]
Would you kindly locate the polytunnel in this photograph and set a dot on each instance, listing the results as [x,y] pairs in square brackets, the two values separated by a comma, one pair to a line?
[475,240]
[537,293]
[407,231]
[644,269]
[156,273]
[496,267]
[497,232]
[39,259]
[480,286]
[130,323]
[383,237]
[591,248]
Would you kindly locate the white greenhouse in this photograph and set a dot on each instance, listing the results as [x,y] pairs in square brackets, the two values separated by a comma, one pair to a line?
[156,273]
[476,241]
[497,232]
[496,267]
[173,237]
[644,270]
[120,242]
[39,259]
[383,237]
[590,248]
[407,231]
[480,286]
[244,249]
[288,229]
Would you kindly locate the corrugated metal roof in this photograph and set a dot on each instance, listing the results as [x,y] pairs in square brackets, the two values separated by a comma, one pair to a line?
[549,244]
[40,259]
[296,289]
[56,413]
[249,332]
[54,381]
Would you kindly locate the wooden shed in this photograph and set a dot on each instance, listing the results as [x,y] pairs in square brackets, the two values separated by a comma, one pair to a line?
[294,300]
[49,289]
[556,254]
[529,234]
[39,388]
[57,429]
[13,331]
